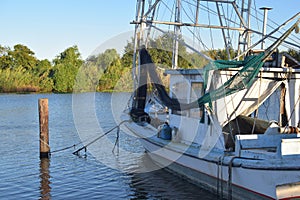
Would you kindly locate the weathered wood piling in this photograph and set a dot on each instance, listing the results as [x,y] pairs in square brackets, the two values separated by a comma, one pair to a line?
[44,128]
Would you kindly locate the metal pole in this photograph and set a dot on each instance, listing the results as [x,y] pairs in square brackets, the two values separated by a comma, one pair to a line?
[264,31]
[176,32]
[249,23]
[197,12]
[135,44]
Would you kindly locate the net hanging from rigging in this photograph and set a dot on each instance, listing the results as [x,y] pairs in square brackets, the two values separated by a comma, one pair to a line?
[241,80]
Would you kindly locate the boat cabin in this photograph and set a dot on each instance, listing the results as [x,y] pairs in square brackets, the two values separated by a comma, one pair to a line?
[187,85]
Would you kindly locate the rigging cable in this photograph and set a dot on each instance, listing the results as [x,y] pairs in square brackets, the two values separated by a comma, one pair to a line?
[192,30]
[257,105]
[256,16]
[210,31]
[229,24]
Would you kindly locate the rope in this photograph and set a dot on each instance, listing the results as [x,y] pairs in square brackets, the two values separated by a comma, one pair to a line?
[117,139]
[101,136]
[93,141]
[65,148]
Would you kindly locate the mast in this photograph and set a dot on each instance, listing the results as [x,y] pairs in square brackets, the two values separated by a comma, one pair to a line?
[135,43]
[138,91]
[245,38]
[177,32]
[225,38]
[249,23]
[138,38]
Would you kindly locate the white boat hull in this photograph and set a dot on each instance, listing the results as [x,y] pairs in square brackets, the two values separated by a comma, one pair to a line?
[231,180]
[245,184]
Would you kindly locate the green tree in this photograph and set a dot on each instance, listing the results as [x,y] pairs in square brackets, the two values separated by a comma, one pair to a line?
[295,54]
[17,70]
[164,50]
[111,69]
[221,54]
[65,69]
[196,61]
[5,60]
[42,72]
[87,78]
[160,49]
[126,60]
[104,60]
[22,57]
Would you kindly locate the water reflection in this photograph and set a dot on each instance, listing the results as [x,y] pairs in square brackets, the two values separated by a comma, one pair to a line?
[45,182]
[161,184]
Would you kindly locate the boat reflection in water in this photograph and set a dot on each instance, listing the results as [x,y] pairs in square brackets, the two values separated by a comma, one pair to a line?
[157,184]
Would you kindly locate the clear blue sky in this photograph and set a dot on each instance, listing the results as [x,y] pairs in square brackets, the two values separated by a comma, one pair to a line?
[48,27]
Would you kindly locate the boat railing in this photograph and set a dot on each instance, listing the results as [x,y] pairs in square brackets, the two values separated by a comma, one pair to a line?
[263,146]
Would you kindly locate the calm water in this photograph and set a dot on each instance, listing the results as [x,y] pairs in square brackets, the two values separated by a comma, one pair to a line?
[64,175]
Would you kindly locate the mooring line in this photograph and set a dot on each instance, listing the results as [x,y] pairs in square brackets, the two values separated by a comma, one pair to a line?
[62,149]
[65,148]
[117,139]
[101,136]
[93,141]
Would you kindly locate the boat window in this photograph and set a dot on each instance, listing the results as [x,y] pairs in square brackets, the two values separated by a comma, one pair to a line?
[182,92]
[197,91]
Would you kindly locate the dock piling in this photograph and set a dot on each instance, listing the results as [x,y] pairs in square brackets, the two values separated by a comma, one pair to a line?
[44,128]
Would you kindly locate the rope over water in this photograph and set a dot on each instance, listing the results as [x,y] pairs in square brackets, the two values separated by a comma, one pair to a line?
[66,148]
[93,141]
[101,136]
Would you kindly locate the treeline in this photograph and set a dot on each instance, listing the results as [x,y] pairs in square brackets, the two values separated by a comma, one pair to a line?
[21,71]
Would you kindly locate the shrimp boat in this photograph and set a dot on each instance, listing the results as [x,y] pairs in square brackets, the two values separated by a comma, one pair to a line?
[230,126]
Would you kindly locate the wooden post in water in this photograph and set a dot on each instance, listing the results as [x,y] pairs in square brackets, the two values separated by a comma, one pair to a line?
[44,129]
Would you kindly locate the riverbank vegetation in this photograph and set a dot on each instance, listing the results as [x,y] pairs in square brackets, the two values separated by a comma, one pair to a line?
[21,71]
